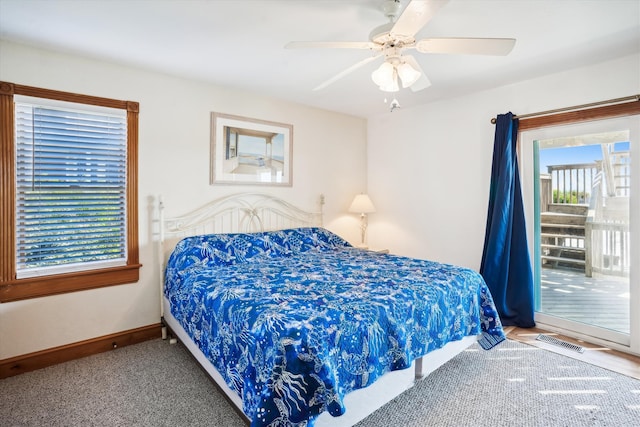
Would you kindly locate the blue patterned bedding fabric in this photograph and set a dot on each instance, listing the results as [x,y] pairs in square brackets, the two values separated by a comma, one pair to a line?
[295,319]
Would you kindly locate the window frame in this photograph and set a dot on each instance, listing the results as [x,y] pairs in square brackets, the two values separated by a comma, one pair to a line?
[12,289]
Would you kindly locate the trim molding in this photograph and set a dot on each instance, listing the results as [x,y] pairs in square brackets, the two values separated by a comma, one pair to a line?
[13,289]
[597,113]
[41,359]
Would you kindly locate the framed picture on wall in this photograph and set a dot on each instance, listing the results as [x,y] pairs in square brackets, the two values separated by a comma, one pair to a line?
[250,152]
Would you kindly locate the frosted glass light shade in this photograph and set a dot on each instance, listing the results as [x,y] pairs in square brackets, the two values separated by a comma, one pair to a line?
[386,76]
[408,74]
[392,87]
[383,75]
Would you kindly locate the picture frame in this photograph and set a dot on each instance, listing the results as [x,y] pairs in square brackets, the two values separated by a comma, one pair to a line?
[250,151]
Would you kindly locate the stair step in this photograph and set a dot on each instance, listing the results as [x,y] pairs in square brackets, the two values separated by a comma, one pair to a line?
[567,231]
[555,225]
[569,208]
[562,247]
[561,259]
[559,252]
[562,218]
[561,236]
[565,255]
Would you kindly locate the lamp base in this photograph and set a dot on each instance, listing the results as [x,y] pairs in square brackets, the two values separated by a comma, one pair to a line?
[362,246]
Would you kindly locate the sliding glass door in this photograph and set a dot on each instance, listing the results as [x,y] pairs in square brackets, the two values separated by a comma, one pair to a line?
[582,209]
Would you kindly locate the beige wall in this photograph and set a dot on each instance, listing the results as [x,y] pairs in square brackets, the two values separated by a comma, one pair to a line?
[429,167]
[329,158]
[427,170]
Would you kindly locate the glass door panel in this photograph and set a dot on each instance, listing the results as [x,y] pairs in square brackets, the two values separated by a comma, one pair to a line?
[583,216]
[584,240]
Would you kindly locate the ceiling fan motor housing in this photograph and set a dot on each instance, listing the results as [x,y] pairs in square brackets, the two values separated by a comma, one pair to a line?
[391,9]
[382,34]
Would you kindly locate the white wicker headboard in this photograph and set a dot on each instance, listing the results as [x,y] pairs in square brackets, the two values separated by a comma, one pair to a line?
[236,213]
[239,213]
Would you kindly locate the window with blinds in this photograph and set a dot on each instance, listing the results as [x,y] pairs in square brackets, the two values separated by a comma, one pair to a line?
[71,183]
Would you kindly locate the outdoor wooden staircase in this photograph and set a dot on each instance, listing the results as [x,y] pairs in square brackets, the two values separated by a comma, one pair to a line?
[562,233]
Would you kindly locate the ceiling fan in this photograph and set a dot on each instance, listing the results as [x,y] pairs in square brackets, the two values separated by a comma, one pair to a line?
[392,39]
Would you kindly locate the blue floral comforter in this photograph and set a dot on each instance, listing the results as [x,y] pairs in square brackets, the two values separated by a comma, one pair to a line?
[295,319]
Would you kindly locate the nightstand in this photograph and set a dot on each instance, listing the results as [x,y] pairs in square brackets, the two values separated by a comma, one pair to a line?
[380,251]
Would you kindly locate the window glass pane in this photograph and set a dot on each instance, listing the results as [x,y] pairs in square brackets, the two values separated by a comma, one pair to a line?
[71,189]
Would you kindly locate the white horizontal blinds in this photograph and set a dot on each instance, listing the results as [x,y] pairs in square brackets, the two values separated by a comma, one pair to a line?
[71,190]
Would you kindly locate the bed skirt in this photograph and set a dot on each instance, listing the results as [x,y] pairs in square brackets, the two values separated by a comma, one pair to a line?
[359,403]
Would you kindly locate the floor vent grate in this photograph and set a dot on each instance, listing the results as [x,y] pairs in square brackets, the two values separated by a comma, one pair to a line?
[560,343]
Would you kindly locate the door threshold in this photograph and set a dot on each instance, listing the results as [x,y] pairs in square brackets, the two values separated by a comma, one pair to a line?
[603,356]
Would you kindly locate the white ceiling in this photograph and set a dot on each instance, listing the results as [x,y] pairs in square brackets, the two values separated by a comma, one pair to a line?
[240,43]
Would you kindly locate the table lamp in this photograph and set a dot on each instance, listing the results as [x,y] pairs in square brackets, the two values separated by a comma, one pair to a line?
[362,204]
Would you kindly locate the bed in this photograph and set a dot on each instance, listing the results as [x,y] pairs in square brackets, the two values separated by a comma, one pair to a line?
[298,327]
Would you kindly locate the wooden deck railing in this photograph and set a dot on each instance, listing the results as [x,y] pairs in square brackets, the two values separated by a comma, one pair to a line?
[604,186]
[607,246]
[572,183]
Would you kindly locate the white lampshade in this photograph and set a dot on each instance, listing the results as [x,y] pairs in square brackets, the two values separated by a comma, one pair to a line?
[392,86]
[362,204]
[408,74]
[384,75]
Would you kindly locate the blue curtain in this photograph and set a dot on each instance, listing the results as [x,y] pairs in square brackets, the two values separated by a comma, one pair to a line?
[506,265]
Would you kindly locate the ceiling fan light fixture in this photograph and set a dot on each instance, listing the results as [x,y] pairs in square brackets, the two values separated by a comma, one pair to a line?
[391,87]
[384,75]
[392,39]
[408,74]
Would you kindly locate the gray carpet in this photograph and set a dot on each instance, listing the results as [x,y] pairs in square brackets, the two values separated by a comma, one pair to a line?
[156,384]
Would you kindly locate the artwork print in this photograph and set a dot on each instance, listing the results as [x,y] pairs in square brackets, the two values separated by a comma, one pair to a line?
[251,152]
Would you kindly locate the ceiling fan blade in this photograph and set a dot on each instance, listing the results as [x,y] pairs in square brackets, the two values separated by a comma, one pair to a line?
[347,71]
[333,45]
[423,82]
[415,16]
[472,46]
